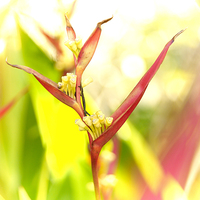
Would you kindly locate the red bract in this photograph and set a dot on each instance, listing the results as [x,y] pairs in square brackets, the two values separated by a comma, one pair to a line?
[52,87]
[82,56]
[89,48]
[127,107]
[70,31]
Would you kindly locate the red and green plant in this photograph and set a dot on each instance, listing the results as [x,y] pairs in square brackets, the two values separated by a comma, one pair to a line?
[70,91]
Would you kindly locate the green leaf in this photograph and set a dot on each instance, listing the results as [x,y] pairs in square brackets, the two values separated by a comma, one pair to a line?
[32,153]
[23,194]
[35,58]
[60,136]
[11,128]
[63,141]
[74,185]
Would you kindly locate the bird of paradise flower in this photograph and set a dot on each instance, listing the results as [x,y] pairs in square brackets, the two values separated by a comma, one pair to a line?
[100,129]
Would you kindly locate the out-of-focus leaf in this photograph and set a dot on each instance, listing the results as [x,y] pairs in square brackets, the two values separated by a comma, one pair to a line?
[23,194]
[6,108]
[1,198]
[11,126]
[194,193]
[130,184]
[75,185]
[43,182]
[54,41]
[35,58]
[32,153]
[184,138]
[172,190]
[63,142]
[145,159]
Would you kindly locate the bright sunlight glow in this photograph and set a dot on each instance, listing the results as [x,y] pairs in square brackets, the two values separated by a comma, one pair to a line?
[178,7]
[133,66]
[4,2]
[140,11]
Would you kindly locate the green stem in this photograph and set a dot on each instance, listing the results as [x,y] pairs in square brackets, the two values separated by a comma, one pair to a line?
[95,150]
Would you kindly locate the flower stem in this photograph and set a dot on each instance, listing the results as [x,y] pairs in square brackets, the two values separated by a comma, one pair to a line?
[95,150]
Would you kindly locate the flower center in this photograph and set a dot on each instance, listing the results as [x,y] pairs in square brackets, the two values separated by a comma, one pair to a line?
[68,85]
[75,46]
[95,124]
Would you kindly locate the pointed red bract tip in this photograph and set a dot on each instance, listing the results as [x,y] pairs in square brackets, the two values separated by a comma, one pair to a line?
[89,48]
[67,21]
[178,34]
[104,21]
[70,31]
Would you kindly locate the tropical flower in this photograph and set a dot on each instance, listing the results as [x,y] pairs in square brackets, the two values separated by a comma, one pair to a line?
[70,91]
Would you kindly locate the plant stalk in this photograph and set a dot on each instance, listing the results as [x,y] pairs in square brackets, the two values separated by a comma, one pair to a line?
[95,150]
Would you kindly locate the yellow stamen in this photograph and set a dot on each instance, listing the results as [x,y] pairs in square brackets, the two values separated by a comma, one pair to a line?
[82,127]
[78,42]
[74,46]
[102,121]
[108,121]
[80,123]
[68,84]
[87,120]
[94,116]
[95,124]
[64,79]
